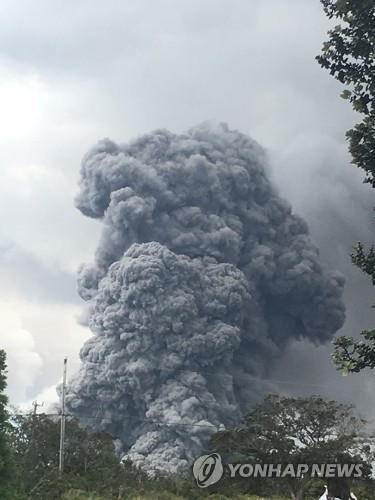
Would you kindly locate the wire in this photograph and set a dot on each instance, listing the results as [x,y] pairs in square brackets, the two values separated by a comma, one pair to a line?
[210,426]
[234,377]
[167,424]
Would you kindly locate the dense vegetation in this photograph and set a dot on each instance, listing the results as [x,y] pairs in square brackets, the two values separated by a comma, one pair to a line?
[349,56]
[93,471]
[278,430]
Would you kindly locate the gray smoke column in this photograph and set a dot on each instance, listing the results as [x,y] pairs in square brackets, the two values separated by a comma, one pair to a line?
[201,278]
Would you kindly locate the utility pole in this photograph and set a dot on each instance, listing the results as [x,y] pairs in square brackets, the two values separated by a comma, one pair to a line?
[33,442]
[35,405]
[62,428]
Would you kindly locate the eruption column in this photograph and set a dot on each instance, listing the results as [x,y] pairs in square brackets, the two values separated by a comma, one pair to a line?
[201,278]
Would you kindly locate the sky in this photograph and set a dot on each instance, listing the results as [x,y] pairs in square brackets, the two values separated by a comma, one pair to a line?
[74,72]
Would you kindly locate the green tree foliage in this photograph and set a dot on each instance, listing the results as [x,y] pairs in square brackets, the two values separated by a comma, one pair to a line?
[35,442]
[6,457]
[93,471]
[350,354]
[90,460]
[349,55]
[285,430]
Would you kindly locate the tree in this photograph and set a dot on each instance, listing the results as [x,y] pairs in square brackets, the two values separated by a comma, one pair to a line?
[286,430]
[349,55]
[90,460]
[35,442]
[352,355]
[6,457]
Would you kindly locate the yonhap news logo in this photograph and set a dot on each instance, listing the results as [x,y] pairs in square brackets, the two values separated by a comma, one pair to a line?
[209,469]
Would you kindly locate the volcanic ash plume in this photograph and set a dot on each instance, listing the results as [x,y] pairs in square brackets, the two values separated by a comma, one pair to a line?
[201,278]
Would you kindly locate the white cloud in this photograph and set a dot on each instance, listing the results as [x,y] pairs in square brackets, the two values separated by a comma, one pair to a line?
[36,338]
[25,173]
[24,363]
[19,108]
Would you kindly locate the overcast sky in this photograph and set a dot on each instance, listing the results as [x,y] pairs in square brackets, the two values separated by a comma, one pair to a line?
[74,72]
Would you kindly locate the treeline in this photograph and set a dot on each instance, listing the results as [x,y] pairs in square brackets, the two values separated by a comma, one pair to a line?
[280,430]
[93,470]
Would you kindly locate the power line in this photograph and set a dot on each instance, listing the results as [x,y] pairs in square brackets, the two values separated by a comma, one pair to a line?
[137,419]
[229,403]
[234,377]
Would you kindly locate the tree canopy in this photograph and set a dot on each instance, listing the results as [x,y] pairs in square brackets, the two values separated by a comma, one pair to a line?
[287,430]
[349,55]
[6,456]
[92,469]
[90,459]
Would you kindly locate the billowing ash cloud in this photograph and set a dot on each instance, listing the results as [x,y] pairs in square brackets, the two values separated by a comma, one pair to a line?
[201,278]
